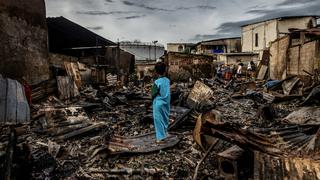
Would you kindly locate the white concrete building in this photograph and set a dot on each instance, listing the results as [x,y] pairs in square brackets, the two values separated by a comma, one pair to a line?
[180,47]
[257,36]
[143,52]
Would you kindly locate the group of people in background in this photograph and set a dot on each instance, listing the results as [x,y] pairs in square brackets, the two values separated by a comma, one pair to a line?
[228,72]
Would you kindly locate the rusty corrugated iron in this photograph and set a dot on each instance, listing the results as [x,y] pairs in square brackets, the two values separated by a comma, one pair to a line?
[274,167]
[283,152]
[140,144]
[297,140]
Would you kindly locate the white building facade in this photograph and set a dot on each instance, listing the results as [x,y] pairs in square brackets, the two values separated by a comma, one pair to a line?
[257,37]
[143,52]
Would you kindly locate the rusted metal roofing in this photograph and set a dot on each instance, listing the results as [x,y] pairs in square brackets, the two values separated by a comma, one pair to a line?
[140,144]
[283,152]
[292,140]
[274,168]
[14,108]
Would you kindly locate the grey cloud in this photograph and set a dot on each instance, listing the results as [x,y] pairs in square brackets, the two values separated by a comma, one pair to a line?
[206,7]
[257,7]
[140,5]
[197,7]
[202,37]
[235,27]
[171,16]
[96,28]
[132,17]
[259,11]
[101,13]
[292,2]
[231,28]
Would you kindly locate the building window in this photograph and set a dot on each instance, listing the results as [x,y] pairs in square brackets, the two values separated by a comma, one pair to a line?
[180,48]
[256,40]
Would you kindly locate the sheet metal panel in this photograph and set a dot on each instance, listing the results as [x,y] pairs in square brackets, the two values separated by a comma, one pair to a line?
[14,108]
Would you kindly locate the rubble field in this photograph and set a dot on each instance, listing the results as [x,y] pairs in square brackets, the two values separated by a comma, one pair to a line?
[107,132]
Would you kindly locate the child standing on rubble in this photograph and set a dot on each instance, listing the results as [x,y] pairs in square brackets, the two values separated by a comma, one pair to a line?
[161,102]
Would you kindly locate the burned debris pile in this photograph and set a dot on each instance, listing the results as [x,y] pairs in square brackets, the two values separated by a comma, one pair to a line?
[74,105]
[274,135]
[217,130]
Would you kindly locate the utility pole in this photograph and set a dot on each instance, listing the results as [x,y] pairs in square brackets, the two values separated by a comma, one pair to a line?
[155,49]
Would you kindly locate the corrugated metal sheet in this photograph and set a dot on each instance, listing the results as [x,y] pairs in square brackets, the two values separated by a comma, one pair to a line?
[140,144]
[285,152]
[291,140]
[274,168]
[14,108]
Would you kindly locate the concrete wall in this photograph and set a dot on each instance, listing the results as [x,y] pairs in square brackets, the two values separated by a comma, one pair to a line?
[144,70]
[171,47]
[23,34]
[278,58]
[302,58]
[286,61]
[229,46]
[299,23]
[269,31]
[144,52]
[233,59]
[222,58]
[58,60]
[197,65]
[120,60]
[233,45]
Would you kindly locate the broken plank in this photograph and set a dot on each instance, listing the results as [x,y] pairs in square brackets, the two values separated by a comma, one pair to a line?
[128,171]
[80,131]
[67,129]
[65,123]
[180,119]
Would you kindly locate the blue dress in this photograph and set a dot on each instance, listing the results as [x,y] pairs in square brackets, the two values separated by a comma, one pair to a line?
[161,107]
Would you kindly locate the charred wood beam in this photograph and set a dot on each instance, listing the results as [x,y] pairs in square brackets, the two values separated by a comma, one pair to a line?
[66,129]
[180,120]
[80,131]
[128,171]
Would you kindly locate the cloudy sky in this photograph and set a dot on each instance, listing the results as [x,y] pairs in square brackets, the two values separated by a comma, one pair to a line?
[174,20]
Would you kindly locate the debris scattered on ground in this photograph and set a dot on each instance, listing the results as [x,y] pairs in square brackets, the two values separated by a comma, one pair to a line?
[107,132]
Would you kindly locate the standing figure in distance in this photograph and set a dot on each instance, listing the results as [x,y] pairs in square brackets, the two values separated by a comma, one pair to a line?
[161,102]
[239,70]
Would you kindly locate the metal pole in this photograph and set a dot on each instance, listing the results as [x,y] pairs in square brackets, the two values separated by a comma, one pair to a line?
[155,52]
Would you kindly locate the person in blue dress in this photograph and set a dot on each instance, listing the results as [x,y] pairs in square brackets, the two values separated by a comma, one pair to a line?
[161,102]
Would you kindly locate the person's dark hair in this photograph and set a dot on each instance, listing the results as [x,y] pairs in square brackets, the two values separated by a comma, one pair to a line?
[160,68]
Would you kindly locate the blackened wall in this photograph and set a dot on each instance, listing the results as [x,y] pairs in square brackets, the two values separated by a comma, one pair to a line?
[120,60]
[23,40]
